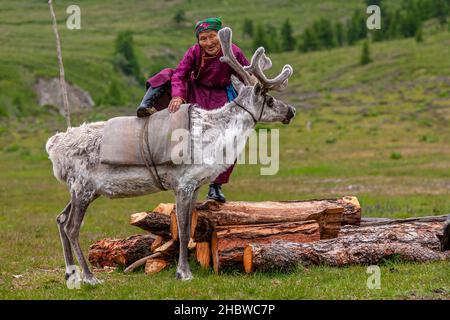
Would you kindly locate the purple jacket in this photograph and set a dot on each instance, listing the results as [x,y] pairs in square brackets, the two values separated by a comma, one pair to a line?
[202,83]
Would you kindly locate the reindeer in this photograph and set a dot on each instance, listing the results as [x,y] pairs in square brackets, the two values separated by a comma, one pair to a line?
[76,160]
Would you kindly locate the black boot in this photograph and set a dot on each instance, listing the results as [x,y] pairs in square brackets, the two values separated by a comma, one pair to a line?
[146,108]
[215,193]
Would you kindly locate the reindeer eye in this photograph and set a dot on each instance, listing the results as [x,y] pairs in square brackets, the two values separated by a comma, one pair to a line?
[270,101]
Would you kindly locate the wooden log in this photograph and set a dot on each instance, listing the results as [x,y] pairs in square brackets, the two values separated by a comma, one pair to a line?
[157,243]
[211,214]
[386,221]
[174,231]
[414,241]
[228,242]
[192,244]
[120,252]
[155,265]
[154,222]
[203,254]
[352,209]
[168,249]
[164,208]
[173,225]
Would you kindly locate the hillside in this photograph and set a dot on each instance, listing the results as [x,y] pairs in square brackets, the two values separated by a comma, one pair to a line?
[28,49]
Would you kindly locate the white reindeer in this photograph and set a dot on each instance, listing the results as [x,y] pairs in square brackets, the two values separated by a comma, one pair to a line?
[75,155]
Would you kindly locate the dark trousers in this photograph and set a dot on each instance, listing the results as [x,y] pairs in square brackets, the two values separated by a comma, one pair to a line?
[224,176]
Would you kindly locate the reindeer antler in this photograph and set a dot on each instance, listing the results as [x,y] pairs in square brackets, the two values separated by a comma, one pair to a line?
[258,63]
[278,83]
[225,35]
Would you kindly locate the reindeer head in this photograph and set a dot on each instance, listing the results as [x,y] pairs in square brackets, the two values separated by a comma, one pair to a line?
[252,92]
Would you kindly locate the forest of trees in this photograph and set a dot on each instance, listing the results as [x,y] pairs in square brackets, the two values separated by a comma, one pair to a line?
[405,21]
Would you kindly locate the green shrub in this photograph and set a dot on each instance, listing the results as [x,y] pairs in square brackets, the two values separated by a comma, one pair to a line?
[365,54]
[125,58]
[396,155]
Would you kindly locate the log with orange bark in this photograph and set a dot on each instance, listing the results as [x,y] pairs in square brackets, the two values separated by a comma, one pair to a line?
[414,240]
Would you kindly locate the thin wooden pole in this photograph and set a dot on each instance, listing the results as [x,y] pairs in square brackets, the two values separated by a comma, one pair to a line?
[62,80]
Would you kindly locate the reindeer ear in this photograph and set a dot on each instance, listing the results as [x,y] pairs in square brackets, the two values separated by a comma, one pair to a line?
[257,89]
[237,84]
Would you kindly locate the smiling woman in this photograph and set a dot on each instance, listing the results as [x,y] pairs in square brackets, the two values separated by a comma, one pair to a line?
[200,78]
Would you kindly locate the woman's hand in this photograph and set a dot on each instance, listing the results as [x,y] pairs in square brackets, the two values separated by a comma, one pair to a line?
[174,104]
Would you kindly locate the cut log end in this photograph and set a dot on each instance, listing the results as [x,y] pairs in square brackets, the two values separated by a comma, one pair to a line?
[173,225]
[169,248]
[248,259]
[155,265]
[157,243]
[164,208]
[203,254]
[214,252]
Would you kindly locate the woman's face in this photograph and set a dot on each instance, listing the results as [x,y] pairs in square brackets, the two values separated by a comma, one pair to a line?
[209,41]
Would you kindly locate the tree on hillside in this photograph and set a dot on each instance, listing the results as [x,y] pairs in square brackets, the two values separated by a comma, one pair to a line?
[259,39]
[248,27]
[356,27]
[419,35]
[179,16]
[393,28]
[441,11]
[125,58]
[374,2]
[324,33]
[272,38]
[309,41]
[409,23]
[339,34]
[287,39]
[365,54]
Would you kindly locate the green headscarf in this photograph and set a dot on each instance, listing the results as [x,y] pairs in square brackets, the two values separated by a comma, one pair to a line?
[208,24]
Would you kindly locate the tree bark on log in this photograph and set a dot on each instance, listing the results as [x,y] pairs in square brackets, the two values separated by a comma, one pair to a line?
[413,241]
[387,221]
[228,242]
[120,252]
[154,222]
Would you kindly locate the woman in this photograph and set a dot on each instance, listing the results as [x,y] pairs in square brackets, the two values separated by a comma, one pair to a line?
[199,78]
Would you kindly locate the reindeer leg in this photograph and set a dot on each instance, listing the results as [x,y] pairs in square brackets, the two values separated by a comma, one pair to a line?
[184,206]
[61,220]
[72,229]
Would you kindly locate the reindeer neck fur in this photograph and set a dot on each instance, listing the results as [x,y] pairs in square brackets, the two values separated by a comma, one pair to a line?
[220,127]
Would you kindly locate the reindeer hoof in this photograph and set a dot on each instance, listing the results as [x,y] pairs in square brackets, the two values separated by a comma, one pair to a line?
[184,276]
[93,281]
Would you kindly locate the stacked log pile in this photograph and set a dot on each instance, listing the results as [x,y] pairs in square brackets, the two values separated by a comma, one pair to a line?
[260,236]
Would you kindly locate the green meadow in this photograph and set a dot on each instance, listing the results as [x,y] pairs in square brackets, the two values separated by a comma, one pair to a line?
[379,132]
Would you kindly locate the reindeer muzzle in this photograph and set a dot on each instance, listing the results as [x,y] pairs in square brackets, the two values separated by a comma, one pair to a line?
[290,114]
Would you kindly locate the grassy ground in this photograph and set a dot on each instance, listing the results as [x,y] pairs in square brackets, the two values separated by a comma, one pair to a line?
[379,132]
